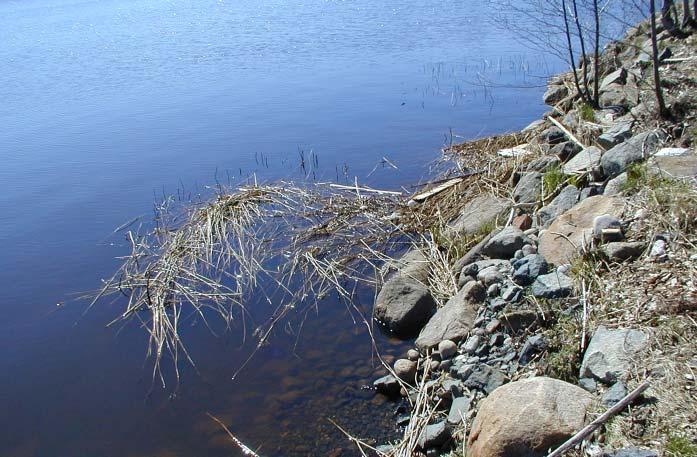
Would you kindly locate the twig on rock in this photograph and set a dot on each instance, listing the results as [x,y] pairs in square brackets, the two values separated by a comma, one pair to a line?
[590,428]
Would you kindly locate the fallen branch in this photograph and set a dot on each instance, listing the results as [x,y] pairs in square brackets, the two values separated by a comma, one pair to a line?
[436,190]
[365,189]
[590,428]
[245,450]
[567,132]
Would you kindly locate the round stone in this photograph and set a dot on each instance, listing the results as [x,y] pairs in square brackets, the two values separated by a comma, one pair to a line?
[405,369]
[447,349]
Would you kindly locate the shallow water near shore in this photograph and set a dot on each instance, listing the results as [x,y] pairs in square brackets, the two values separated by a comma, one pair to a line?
[106,106]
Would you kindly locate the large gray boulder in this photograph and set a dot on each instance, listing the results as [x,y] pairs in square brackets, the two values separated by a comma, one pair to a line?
[626,96]
[572,230]
[403,306]
[555,94]
[566,200]
[527,418]
[528,268]
[611,353]
[478,213]
[412,265]
[528,189]
[552,285]
[616,77]
[584,161]
[505,243]
[674,163]
[615,134]
[451,322]
[635,149]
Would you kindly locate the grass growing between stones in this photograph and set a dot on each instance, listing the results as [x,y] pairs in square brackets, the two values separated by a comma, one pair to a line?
[563,337]
[553,179]
[586,112]
[680,446]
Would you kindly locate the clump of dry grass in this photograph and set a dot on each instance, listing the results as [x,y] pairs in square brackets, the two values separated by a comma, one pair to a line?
[210,256]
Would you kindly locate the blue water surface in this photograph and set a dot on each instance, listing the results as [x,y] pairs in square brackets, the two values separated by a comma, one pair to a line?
[107,105]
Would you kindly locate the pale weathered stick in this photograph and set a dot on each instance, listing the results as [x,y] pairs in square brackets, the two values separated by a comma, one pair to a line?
[365,189]
[436,190]
[590,428]
[567,132]
[245,450]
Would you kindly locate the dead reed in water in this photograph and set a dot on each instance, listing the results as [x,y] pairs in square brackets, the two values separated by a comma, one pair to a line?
[211,256]
[310,241]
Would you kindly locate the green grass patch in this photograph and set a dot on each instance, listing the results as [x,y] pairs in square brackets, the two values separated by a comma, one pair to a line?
[563,359]
[674,200]
[552,178]
[680,446]
[586,111]
[454,245]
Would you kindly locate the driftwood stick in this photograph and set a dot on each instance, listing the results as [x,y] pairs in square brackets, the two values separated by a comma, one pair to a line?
[365,189]
[590,428]
[566,131]
[245,450]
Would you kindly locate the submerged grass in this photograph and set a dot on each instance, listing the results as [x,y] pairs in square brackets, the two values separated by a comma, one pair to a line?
[211,256]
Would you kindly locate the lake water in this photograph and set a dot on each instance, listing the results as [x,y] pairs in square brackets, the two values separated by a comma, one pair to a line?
[107,105]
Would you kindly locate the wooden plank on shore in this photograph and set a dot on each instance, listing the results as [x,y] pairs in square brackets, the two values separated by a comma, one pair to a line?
[436,190]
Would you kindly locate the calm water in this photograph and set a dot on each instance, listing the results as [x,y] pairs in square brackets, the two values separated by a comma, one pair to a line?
[104,105]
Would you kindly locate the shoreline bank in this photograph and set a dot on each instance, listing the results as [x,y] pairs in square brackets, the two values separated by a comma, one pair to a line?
[558,274]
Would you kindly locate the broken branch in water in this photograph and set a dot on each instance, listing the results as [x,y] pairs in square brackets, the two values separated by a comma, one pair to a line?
[245,450]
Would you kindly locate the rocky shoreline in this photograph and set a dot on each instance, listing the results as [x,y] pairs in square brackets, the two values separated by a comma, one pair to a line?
[576,265]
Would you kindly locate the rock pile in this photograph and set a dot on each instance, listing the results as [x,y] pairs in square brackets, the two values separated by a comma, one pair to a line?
[482,346]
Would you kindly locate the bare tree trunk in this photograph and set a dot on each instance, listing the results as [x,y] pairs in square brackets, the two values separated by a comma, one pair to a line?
[596,60]
[584,56]
[570,48]
[656,75]
[667,16]
[687,20]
